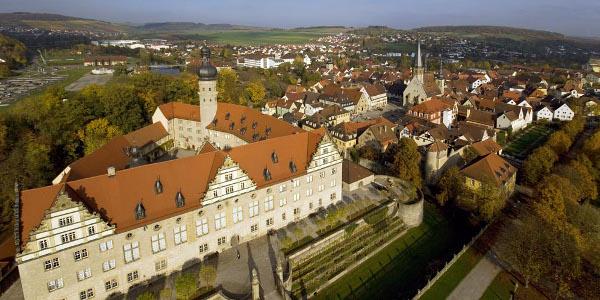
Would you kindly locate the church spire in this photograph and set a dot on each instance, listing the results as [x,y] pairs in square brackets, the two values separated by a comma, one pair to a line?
[419,72]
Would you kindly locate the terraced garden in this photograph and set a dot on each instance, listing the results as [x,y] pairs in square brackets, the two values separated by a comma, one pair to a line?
[402,267]
[310,272]
[527,140]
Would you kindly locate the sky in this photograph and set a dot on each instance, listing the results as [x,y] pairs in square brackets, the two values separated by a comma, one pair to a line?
[572,17]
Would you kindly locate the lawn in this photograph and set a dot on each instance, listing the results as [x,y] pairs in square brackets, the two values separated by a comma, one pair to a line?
[504,284]
[243,37]
[524,142]
[446,284]
[401,268]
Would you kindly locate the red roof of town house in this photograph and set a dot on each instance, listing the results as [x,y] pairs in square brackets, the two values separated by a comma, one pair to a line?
[490,168]
[430,106]
[486,147]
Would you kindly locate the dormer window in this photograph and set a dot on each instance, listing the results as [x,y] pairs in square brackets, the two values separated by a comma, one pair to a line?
[231,126]
[254,124]
[243,130]
[140,211]
[293,167]
[227,115]
[242,119]
[214,121]
[158,187]
[179,199]
[267,174]
[255,137]
[274,157]
[268,131]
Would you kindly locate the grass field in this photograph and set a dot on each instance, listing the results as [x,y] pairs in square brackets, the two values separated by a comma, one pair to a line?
[522,144]
[401,268]
[246,37]
[446,284]
[503,286]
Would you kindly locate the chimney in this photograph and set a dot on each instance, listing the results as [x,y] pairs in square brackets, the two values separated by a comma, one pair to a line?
[111,171]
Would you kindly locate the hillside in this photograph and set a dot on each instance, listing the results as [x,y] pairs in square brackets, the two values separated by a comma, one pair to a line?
[494,31]
[59,22]
[13,52]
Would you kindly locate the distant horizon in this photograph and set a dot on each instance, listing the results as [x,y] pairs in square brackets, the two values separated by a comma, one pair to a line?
[575,18]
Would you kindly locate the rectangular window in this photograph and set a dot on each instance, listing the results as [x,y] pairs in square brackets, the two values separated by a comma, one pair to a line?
[180,233]
[159,242]
[109,265]
[228,177]
[309,179]
[254,228]
[296,211]
[229,189]
[309,192]
[67,237]
[132,276]
[220,221]
[296,196]
[111,284]
[65,221]
[332,196]
[283,216]
[322,174]
[269,203]
[296,182]
[269,221]
[106,245]
[321,188]
[84,274]
[333,183]
[242,185]
[51,264]
[253,207]
[221,241]
[56,284]
[86,294]
[91,230]
[160,265]
[203,248]
[43,244]
[131,251]
[237,214]
[80,254]
[282,202]
[282,188]
[201,227]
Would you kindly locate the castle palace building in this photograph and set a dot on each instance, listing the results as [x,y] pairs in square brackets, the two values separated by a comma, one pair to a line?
[137,208]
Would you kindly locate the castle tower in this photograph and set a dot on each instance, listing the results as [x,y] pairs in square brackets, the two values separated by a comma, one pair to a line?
[436,157]
[207,89]
[419,71]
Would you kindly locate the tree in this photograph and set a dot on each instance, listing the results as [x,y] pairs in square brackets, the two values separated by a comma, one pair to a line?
[469,155]
[539,164]
[227,86]
[407,162]
[490,200]
[123,106]
[553,192]
[185,286]
[450,186]
[96,134]
[256,91]
[369,152]
[522,244]
[581,179]
[574,127]
[208,275]
[559,141]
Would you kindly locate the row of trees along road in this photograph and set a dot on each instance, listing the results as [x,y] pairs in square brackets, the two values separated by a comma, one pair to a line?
[555,238]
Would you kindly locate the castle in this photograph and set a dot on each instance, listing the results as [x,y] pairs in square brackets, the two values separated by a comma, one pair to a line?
[136,209]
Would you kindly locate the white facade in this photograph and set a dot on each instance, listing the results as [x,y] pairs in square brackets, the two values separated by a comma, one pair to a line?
[564,113]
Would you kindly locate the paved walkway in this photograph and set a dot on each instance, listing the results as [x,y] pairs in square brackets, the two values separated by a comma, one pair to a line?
[477,281]
[235,275]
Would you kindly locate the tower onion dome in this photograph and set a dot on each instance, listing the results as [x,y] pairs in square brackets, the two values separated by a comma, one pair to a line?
[206,72]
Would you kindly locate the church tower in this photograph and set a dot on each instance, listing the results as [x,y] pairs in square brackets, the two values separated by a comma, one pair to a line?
[439,80]
[419,71]
[207,89]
